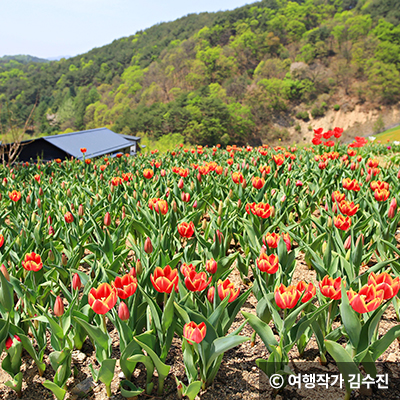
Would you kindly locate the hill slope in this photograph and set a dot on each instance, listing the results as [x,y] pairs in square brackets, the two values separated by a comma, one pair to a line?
[239,76]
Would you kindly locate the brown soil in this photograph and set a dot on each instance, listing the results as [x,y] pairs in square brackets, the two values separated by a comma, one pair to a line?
[238,377]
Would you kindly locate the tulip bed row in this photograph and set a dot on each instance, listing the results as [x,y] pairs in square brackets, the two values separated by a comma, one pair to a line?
[143,243]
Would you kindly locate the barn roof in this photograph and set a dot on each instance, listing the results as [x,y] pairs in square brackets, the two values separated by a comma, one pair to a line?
[97,142]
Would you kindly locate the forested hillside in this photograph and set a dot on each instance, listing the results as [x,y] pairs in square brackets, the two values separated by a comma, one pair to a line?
[217,77]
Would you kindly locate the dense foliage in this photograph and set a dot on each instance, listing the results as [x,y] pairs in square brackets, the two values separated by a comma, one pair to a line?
[226,76]
[155,245]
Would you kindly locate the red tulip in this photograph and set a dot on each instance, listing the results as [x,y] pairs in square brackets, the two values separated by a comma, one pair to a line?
[386,283]
[32,262]
[10,341]
[148,247]
[68,217]
[226,288]
[102,299]
[83,150]
[123,311]
[197,282]
[367,299]
[211,266]
[186,229]
[342,223]
[331,288]
[4,271]
[381,194]
[58,307]
[194,333]
[164,280]
[308,290]
[76,282]
[125,286]
[392,208]
[286,297]
[271,240]
[257,182]
[185,269]
[107,219]
[268,264]
[14,195]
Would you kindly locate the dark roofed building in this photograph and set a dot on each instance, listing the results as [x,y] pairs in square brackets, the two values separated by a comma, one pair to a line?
[98,142]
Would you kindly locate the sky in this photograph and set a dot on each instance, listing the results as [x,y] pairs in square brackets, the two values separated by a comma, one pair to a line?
[52,28]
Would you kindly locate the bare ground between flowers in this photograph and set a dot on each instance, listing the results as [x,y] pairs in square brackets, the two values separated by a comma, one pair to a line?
[238,377]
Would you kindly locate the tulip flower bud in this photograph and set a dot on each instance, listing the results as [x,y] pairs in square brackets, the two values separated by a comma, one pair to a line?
[58,307]
[276,174]
[51,256]
[109,198]
[347,243]
[174,206]
[107,219]
[28,199]
[199,177]
[191,185]
[368,178]
[226,172]
[148,247]
[272,211]
[69,194]
[204,225]
[392,208]
[287,181]
[244,184]
[40,191]
[220,208]
[219,221]
[51,230]
[112,188]
[38,203]
[283,198]
[91,202]
[72,207]
[144,194]
[210,294]
[64,259]
[323,247]
[76,282]
[180,184]
[291,217]
[123,311]
[398,174]
[361,237]
[230,193]
[139,267]
[362,172]
[13,176]
[80,210]
[290,167]
[329,222]
[4,271]
[97,197]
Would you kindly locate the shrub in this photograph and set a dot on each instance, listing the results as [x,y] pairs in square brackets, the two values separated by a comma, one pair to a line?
[297,128]
[303,115]
[317,112]
[336,107]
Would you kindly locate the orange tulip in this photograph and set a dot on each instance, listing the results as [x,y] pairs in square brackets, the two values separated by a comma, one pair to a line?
[164,280]
[194,333]
[160,206]
[102,299]
[32,262]
[331,288]
[237,177]
[83,149]
[186,229]
[286,297]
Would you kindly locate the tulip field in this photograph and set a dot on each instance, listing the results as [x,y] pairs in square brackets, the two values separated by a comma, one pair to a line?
[184,257]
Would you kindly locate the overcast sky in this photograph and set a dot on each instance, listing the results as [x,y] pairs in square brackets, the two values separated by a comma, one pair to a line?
[51,28]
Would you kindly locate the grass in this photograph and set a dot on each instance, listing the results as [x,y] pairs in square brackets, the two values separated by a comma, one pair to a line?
[389,135]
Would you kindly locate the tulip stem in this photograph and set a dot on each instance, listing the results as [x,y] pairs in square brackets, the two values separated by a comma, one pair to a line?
[328,320]
[165,299]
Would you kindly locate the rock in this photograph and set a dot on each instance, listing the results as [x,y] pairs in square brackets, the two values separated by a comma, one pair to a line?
[78,356]
[391,358]
[83,388]
[121,375]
